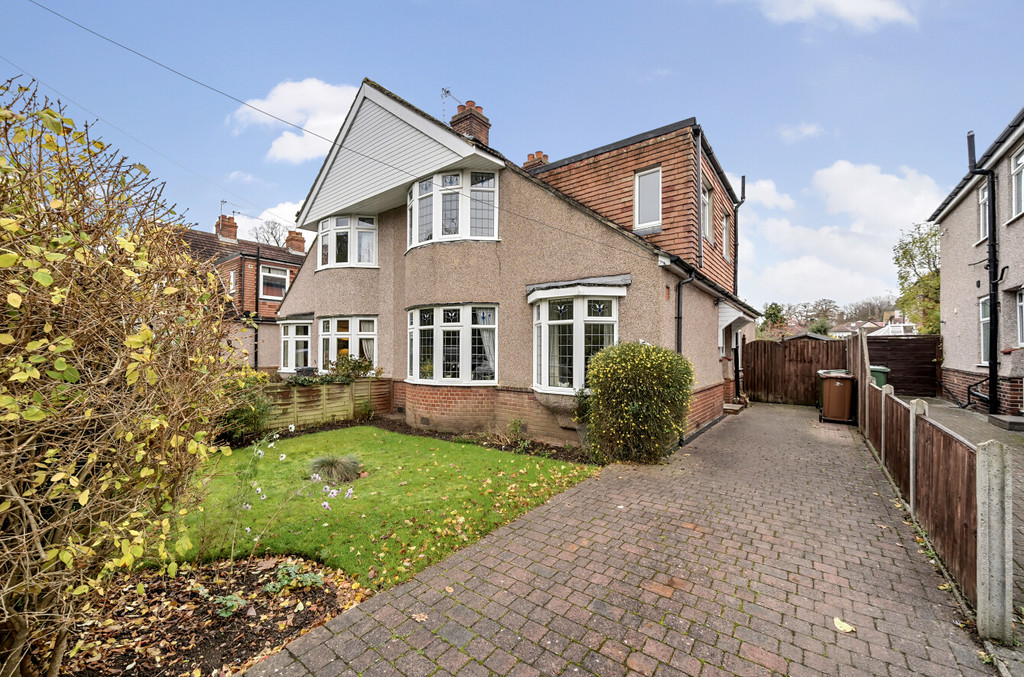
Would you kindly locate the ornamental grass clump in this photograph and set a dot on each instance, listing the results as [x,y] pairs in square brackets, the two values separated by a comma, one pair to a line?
[640,395]
[338,469]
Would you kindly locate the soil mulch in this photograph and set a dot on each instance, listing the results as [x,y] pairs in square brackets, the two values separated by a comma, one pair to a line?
[191,625]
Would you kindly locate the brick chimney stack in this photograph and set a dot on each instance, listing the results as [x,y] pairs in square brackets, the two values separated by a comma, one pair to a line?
[226,228]
[535,160]
[470,121]
[295,242]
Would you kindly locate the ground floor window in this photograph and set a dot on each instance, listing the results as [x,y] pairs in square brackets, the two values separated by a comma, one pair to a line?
[453,344]
[985,323]
[295,346]
[1020,318]
[568,331]
[347,337]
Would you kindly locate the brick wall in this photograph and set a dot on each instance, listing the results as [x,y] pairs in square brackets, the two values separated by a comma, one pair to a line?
[706,407]
[247,285]
[1011,389]
[398,396]
[605,184]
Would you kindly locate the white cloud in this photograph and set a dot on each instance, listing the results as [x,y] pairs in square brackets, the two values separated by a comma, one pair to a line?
[763,192]
[878,203]
[313,104]
[283,213]
[241,177]
[799,132]
[865,15]
[809,277]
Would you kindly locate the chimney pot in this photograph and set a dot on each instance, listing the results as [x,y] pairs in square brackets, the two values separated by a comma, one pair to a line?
[462,108]
[471,104]
[470,121]
[535,160]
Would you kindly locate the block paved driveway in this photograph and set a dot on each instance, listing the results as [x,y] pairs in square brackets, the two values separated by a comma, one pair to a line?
[732,558]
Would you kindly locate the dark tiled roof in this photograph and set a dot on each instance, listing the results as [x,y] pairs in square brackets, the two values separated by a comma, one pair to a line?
[644,136]
[209,246]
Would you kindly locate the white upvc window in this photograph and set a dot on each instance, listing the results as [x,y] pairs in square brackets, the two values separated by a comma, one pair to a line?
[568,331]
[705,215]
[232,281]
[453,344]
[983,212]
[455,205]
[1020,317]
[1017,181]
[295,345]
[348,242]
[647,199]
[985,326]
[727,237]
[340,337]
[273,282]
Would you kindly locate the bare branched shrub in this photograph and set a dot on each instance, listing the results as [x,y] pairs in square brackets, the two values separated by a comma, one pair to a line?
[113,363]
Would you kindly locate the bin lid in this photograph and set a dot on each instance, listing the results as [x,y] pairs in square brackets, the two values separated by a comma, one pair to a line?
[838,374]
[884,370]
[828,372]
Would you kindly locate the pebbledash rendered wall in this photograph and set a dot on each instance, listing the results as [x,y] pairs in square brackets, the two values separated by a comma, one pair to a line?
[965,282]
[527,252]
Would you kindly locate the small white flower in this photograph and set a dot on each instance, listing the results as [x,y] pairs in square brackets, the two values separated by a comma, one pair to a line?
[248,530]
[246,506]
[326,489]
[315,477]
[348,494]
[276,436]
[259,453]
[259,490]
[333,494]
[263,497]
[291,428]
[256,539]
[325,505]
[271,445]
[281,457]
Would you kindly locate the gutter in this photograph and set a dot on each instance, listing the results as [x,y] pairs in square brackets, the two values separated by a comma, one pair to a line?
[993,277]
[679,310]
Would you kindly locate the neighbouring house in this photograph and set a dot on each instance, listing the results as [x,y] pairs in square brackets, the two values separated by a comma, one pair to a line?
[257,276]
[967,311]
[848,329]
[896,329]
[483,287]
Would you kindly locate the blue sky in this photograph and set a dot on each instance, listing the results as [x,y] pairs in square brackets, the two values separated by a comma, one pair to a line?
[848,117]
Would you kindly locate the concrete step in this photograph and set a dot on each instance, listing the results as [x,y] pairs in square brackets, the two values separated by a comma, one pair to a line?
[733,408]
[1007,422]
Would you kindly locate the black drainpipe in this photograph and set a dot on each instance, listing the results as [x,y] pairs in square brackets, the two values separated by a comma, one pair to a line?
[736,276]
[256,306]
[993,278]
[700,195]
[679,310]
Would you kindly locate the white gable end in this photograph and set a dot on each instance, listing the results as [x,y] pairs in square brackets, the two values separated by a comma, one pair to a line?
[382,147]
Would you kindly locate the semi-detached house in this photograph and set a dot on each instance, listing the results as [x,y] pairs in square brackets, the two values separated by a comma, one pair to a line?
[483,287]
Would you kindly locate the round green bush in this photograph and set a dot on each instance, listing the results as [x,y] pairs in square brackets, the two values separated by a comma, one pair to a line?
[639,398]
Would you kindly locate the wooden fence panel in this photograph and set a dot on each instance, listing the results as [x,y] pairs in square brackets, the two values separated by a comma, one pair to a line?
[308,405]
[947,505]
[787,371]
[875,416]
[915,362]
[897,442]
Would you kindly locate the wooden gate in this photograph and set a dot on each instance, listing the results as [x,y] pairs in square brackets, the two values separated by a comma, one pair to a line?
[915,361]
[787,371]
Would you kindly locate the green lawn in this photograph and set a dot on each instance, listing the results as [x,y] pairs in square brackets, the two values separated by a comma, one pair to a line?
[423,499]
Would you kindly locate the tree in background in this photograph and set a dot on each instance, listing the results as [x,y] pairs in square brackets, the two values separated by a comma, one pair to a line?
[114,358]
[872,308]
[819,326]
[916,256]
[773,322]
[272,232]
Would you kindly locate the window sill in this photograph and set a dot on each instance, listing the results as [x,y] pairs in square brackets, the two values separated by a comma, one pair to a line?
[984,239]
[551,390]
[452,239]
[276,299]
[342,266]
[458,384]
[647,229]
[1014,219]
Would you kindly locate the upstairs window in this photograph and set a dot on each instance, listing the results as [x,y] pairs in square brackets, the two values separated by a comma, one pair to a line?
[273,282]
[348,241]
[1017,180]
[727,237]
[457,205]
[983,212]
[647,199]
[707,226]
[232,282]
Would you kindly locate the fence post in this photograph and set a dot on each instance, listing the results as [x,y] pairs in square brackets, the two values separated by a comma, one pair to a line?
[887,390]
[917,408]
[995,541]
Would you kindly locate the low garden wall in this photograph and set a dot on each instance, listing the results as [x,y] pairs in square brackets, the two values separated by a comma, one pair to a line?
[310,405]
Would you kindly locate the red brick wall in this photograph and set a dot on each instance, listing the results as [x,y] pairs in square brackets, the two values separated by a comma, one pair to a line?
[706,407]
[247,285]
[605,184]
[398,396]
[1011,390]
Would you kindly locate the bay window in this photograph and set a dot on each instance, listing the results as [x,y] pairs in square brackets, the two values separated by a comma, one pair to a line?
[568,331]
[455,205]
[273,282]
[453,344]
[294,346]
[348,241]
[341,337]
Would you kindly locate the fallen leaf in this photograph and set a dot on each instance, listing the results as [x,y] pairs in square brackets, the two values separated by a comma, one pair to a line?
[843,626]
[419,617]
[449,589]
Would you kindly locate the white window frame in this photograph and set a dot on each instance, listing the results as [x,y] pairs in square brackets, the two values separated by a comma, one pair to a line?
[353,224]
[267,270]
[334,329]
[232,282]
[542,325]
[707,213]
[289,342]
[983,319]
[1020,317]
[646,225]
[464,328]
[1017,182]
[727,237]
[433,189]
[983,224]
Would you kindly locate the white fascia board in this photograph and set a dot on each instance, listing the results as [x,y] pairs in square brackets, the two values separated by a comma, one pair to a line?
[575,290]
[996,158]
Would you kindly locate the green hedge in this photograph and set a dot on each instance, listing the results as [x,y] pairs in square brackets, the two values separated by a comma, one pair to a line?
[639,398]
